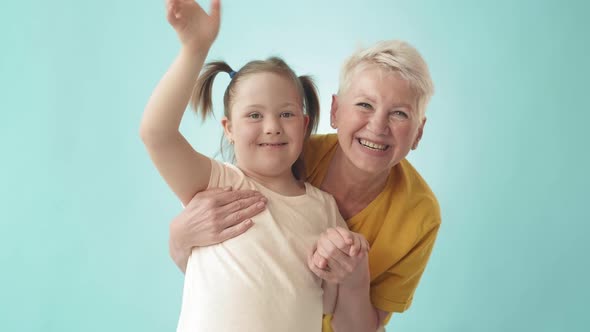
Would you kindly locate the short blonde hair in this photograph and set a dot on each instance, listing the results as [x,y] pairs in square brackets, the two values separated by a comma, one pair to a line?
[396,56]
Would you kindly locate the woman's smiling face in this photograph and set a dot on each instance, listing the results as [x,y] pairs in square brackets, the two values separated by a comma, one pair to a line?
[377,119]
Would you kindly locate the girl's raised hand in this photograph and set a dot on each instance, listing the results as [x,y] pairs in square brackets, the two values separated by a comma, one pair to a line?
[195,28]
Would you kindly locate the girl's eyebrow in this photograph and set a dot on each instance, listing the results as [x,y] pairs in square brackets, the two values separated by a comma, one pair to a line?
[263,107]
[255,106]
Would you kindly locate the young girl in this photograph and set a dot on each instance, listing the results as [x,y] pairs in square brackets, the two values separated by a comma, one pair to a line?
[258,281]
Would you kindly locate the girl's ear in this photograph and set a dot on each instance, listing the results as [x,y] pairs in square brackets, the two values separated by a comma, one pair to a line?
[227,129]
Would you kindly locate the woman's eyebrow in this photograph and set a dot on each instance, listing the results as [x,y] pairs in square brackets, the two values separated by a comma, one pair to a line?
[404,105]
[366,96]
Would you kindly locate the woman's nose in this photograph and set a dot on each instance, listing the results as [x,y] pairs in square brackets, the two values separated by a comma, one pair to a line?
[378,124]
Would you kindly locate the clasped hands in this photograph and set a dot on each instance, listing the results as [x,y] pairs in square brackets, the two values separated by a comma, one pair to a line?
[340,256]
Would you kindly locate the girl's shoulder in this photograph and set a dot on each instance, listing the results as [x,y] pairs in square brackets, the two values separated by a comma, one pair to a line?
[225,174]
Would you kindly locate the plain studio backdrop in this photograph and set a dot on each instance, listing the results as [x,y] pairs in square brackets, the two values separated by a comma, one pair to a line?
[84,218]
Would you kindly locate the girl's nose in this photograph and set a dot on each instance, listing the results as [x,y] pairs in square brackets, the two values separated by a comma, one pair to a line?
[272,127]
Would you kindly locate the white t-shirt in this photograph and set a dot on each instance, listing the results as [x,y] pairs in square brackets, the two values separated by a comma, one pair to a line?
[259,281]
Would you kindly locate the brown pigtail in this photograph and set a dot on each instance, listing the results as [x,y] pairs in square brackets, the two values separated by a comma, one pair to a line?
[201,96]
[311,103]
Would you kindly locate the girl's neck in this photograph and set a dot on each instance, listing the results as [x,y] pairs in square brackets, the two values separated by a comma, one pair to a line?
[352,188]
[285,184]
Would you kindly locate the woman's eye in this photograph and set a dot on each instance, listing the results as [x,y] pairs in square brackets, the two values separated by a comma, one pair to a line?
[254,115]
[399,114]
[365,105]
[287,115]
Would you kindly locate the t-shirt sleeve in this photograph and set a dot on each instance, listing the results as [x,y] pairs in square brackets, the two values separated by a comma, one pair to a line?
[223,175]
[393,290]
[216,178]
[335,218]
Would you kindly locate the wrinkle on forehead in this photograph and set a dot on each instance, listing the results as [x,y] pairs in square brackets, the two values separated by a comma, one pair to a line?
[355,90]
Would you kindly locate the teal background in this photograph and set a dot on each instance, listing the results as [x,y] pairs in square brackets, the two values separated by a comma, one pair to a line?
[84,220]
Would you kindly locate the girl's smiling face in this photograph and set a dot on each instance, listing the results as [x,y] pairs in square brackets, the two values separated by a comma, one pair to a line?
[267,125]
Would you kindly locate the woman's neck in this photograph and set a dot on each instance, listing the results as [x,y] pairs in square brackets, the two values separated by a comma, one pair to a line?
[352,188]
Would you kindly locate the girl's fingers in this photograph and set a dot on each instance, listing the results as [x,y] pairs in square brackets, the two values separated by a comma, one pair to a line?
[321,262]
[312,259]
[366,245]
[346,234]
[338,261]
[322,274]
[339,241]
[316,259]
[173,12]
[215,11]
[355,248]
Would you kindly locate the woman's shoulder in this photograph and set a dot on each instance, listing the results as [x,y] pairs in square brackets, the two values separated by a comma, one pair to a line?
[413,178]
[407,182]
[316,155]
[318,145]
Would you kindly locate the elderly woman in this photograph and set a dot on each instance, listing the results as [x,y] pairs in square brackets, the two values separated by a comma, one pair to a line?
[379,115]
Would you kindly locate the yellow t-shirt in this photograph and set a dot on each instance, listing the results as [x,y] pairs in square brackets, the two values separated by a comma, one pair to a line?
[401,225]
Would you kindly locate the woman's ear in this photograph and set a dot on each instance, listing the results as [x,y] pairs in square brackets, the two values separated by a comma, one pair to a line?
[419,135]
[333,111]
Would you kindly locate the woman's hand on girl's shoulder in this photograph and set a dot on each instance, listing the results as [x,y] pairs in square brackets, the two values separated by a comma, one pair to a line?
[214,216]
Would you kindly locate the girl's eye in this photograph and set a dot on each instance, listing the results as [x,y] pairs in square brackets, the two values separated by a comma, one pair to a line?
[254,115]
[287,115]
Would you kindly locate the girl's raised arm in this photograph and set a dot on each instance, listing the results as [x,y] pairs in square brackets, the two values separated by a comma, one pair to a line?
[185,170]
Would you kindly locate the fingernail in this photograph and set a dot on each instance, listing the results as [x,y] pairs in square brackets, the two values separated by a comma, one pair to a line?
[260,205]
